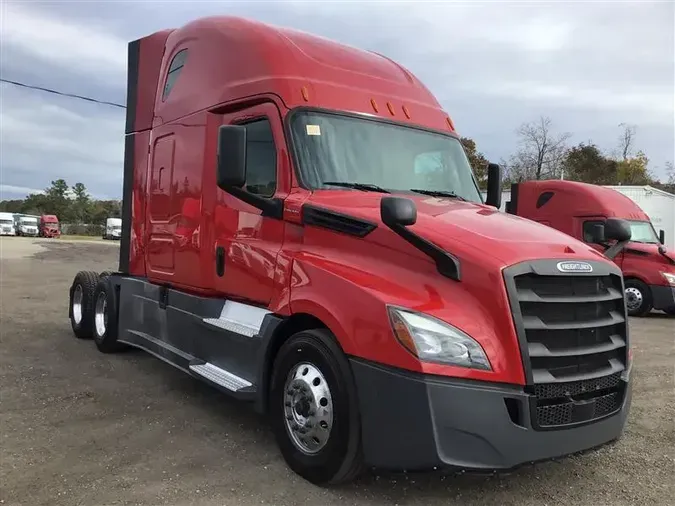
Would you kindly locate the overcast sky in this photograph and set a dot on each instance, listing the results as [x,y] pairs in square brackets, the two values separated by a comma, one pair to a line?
[492,65]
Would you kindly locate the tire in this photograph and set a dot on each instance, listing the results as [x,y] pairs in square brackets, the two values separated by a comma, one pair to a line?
[638,297]
[328,383]
[81,304]
[105,274]
[105,322]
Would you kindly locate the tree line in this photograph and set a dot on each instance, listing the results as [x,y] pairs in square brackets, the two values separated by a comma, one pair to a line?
[544,153]
[72,205]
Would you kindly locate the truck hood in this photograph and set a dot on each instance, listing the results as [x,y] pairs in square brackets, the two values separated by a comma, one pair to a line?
[639,248]
[466,229]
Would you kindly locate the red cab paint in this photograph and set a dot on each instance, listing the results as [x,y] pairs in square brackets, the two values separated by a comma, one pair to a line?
[302,229]
[49,226]
[575,208]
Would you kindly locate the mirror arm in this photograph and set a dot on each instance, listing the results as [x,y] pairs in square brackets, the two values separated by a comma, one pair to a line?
[270,207]
[614,250]
[446,264]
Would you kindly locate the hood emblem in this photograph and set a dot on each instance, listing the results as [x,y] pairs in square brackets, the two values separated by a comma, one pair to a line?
[574,267]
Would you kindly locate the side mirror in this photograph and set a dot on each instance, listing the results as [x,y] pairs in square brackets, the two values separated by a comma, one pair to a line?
[617,229]
[231,161]
[494,185]
[662,236]
[598,233]
[397,211]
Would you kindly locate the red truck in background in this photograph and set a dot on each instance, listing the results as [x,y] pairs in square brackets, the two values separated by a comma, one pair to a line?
[49,226]
[581,210]
[347,277]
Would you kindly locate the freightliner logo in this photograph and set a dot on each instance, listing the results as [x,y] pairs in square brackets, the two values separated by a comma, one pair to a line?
[574,267]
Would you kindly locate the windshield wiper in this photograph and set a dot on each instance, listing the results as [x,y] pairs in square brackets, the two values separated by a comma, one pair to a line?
[366,187]
[440,193]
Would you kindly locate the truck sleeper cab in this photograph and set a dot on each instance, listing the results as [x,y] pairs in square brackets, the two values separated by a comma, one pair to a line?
[305,232]
[49,226]
[27,226]
[581,210]
[113,229]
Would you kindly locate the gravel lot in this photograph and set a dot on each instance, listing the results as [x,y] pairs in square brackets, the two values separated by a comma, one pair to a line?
[81,428]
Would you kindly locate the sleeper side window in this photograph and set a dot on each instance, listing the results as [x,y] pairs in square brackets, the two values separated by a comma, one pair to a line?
[175,69]
[261,158]
[588,229]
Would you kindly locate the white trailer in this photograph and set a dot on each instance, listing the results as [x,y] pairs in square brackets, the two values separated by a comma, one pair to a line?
[7,224]
[659,205]
[113,228]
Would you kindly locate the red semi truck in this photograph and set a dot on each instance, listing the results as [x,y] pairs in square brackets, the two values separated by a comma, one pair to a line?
[348,278]
[49,226]
[581,210]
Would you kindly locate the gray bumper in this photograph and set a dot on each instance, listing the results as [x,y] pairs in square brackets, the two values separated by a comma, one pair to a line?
[663,297]
[412,422]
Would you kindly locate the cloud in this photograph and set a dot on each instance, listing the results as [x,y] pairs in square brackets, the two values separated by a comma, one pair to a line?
[492,65]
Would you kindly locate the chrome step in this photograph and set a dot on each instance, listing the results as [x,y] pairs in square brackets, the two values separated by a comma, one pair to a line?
[220,377]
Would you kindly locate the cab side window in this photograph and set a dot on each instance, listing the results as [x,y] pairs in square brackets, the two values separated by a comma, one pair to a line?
[175,69]
[261,158]
[588,229]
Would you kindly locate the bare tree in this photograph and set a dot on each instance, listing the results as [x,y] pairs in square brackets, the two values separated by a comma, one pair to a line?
[626,140]
[541,152]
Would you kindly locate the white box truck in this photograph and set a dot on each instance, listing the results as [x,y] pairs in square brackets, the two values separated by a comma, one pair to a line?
[113,229]
[7,224]
[27,225]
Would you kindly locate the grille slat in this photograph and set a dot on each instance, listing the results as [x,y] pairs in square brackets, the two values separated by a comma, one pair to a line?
[536,323]
[573,332]
[541,350]
[529,295]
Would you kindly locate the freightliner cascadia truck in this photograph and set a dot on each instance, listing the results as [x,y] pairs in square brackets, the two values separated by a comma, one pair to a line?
[580,210]
[344,274]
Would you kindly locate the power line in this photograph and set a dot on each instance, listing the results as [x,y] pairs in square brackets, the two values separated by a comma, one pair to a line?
[55,92]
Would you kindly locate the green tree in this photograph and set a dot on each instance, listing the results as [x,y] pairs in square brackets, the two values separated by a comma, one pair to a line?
[82,207]
[477,161]
[586,163]
[634,170]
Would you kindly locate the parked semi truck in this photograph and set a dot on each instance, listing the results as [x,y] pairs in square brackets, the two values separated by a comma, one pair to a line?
[26,225]
[581,210]
[7,224]
[347,277]
[49,226]
[113,229]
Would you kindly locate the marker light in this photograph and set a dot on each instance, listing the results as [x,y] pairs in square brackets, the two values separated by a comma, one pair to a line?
[450,123]
[391,108]
[406,112]
[305,93]
[374,104]
[432,340]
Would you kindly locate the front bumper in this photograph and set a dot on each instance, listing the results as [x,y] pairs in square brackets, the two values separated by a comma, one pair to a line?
[413,422]
[663,297]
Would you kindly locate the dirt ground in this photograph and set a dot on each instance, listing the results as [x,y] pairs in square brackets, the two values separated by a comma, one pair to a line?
[81,428]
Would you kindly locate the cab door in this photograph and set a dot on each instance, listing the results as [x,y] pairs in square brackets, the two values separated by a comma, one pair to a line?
[246,242]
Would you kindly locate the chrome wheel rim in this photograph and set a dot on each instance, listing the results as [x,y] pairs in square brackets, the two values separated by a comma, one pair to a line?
[308,408]
[633,298]
[77,304]
[101,314]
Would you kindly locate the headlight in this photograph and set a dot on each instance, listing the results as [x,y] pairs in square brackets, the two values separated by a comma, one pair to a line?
[670,278]
[433,340]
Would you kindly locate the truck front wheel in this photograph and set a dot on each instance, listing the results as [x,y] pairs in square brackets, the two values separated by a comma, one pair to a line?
[314,410]
[638,297]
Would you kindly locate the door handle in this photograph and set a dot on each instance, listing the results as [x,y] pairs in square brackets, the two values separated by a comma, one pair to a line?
[220,261]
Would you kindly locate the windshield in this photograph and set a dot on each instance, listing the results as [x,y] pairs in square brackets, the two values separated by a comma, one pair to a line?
[643,231]
[340,149]
[29,221]
[7,222]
